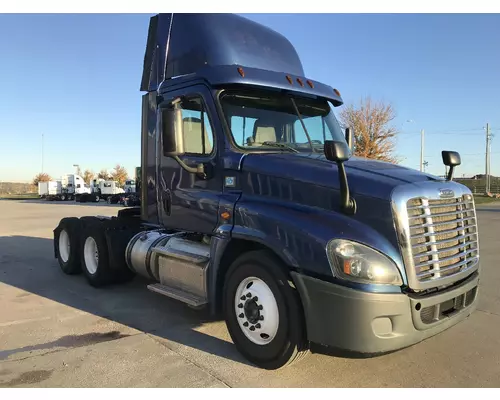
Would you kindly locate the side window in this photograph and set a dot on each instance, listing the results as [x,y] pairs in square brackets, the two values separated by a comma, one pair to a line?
[198,135]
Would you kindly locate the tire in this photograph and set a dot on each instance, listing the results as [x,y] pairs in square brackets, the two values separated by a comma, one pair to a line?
[67,239]
[286,337]
[97,199]
[63,197]
[108,200]
[94,254]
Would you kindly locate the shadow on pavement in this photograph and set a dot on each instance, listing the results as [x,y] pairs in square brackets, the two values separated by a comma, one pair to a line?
[28,263]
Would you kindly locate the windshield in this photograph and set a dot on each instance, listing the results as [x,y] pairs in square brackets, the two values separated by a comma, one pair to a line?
[267,120]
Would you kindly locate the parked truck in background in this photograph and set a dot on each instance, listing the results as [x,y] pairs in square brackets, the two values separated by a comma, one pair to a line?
[101,189]
[129,186]
[66,188]
[252,205]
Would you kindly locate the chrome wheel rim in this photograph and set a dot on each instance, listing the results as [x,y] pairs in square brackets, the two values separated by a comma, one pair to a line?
[256,310]
[64,245]
[91,255]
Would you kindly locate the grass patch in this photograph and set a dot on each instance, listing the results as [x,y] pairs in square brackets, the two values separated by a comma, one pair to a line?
[484,199]
[24,196]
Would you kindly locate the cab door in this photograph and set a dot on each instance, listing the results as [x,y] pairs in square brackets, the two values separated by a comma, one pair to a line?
[189,201]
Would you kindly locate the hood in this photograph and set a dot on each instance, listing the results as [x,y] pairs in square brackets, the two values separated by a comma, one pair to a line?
[369,178]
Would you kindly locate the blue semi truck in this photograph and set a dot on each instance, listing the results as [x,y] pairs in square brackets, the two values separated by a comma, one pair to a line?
[252,205]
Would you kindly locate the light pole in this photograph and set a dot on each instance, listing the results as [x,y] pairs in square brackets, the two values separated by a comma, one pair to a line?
[422,150]
[422,163]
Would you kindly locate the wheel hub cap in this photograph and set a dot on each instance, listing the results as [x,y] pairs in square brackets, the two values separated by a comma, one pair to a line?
[256,310]
[91,255]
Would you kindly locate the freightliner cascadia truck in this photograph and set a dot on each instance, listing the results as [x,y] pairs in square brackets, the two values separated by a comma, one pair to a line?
[252,205]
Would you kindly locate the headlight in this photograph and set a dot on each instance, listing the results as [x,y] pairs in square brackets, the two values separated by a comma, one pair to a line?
[359,263]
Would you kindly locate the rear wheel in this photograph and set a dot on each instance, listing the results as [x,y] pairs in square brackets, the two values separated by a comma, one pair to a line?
[97,199]
[94,255]
[67,240]
[263,312]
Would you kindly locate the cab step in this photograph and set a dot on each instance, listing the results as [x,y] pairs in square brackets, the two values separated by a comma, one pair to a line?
[178,294]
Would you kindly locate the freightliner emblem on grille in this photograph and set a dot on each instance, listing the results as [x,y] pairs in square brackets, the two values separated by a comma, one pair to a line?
[445,193]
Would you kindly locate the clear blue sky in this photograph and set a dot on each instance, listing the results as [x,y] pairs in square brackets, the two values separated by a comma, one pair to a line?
[75,78]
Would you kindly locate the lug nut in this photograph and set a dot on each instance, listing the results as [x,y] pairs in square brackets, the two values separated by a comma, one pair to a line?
[245,324]
[257,326]
[255,298]
[260,307]
[240,305]
[261,318]
[249,295]
[241,315]
[252,328]
[243,298]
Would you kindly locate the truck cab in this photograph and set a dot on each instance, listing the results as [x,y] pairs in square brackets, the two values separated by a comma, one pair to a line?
[252,205]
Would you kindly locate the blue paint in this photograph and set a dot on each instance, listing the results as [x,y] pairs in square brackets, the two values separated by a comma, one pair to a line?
[286,200]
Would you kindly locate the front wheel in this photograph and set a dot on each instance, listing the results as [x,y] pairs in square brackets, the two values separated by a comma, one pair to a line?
[263,312]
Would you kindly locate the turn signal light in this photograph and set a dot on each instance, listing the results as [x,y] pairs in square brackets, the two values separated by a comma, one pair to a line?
[289,80]
[336,92]
[242,73]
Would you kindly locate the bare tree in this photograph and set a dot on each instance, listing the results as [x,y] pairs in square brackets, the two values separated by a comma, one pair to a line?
[374,137]
[104,174]
[119,174]
[88,175]
[41,177]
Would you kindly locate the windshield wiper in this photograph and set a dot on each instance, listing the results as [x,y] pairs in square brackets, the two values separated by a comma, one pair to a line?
[280,145]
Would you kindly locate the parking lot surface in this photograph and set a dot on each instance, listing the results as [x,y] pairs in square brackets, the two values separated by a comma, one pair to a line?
[57,331]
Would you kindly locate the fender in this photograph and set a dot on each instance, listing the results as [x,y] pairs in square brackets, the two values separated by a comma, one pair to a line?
[299,235]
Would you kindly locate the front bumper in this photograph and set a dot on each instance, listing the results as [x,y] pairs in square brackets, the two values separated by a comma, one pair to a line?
[372,323]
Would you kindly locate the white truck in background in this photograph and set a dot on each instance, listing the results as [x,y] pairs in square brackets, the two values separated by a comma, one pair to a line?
[49,188]
[129,186]
[100,189]
[63,189]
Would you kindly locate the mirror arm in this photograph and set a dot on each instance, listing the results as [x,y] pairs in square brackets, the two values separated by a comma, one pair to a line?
[450,173]
[348,204]
[199,169]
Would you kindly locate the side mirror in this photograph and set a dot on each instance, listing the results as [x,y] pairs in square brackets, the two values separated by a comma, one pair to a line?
[336,151]
[451,159]
[172,132]
[349,137]
[339,152]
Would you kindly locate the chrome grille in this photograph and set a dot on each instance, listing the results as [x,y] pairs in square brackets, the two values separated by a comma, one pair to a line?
[443,236]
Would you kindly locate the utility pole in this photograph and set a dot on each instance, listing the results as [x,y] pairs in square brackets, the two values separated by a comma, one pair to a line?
[487,161]
[422,150]
[42,153]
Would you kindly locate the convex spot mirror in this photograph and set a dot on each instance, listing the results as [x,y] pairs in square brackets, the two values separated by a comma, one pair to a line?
[337,151]
[451,158]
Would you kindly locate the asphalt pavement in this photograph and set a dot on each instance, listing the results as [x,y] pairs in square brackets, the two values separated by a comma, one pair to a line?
[57,331]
